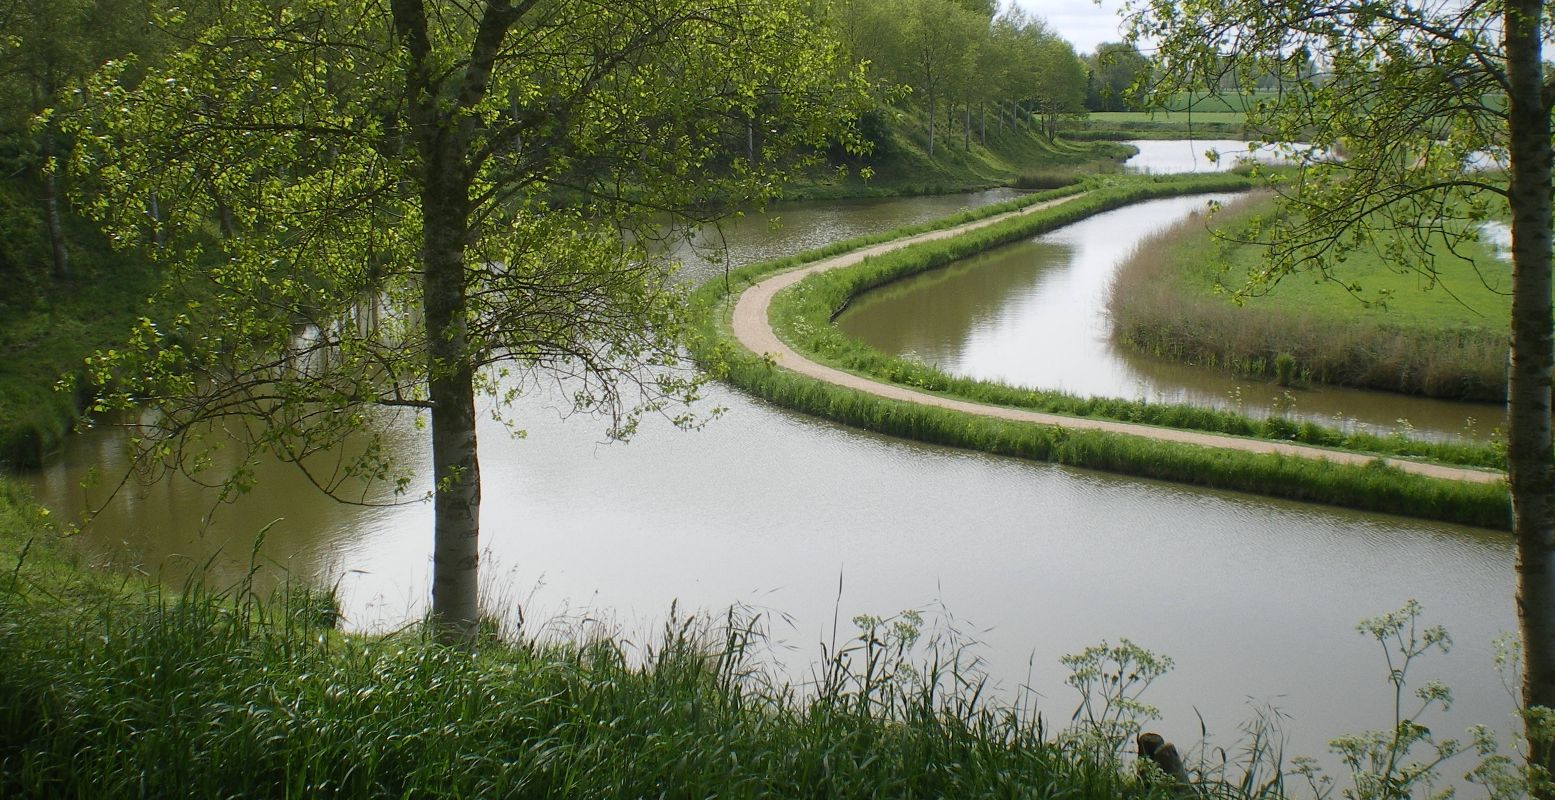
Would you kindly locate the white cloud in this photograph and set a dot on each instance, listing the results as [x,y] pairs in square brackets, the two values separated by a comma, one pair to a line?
[1083,22]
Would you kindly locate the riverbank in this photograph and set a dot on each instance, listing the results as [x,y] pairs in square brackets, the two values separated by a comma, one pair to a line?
[49,326]
[113,686]
[1120,125]
[902,167]
[1438,331]
[1374,485]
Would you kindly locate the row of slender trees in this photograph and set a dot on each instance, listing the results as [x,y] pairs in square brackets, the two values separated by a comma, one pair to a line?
[972,71]
[966,66]
[47,48]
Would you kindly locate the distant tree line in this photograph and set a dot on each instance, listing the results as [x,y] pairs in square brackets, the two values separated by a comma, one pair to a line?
[47,48]
[973,71]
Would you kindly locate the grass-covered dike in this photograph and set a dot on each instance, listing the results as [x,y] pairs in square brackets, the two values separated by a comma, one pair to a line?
[802,316]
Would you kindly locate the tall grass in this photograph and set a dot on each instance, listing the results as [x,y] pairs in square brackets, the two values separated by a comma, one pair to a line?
[221,694]
[1059,177]
[1158,307]
[116,687]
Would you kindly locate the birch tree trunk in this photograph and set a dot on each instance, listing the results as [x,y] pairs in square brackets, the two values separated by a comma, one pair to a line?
[442,142]
[1530,468]
[932,112]
[59,255]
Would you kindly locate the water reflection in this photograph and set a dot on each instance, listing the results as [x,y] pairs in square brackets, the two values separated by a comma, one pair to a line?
[1254,598]
[1167,156]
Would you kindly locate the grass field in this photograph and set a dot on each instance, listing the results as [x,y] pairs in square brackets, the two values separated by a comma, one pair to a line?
[1206,102]
[1466,284]
[1185,114]
[1434,328]
[1122,118]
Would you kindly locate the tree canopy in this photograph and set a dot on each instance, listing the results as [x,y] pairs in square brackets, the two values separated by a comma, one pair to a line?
[371,205]
[1114,70]
[954,54]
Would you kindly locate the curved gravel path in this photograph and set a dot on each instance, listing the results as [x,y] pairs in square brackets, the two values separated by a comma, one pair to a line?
[754,330]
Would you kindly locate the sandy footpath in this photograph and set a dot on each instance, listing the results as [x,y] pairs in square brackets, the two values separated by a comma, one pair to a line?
[753,330]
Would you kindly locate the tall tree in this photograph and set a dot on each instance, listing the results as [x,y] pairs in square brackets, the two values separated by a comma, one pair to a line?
[432,200]
[1016,71]
[46,48]
[1418,95]
[1060,82]
[1115,67]
[938,53]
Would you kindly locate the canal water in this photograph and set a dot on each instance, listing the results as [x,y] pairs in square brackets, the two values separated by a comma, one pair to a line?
[810,523]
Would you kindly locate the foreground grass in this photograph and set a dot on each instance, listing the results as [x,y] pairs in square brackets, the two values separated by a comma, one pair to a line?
[802,317]
[1383,328]
[114,688]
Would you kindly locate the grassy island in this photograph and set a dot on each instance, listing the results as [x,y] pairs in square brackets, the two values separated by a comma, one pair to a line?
[1439,330]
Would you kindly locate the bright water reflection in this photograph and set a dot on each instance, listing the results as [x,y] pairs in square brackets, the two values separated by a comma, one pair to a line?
[1254,598]
[1166,156]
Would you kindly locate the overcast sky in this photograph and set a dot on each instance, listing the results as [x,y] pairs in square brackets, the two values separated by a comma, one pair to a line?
[1084,23]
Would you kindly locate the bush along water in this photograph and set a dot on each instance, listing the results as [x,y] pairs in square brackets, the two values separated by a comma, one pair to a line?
[802,317]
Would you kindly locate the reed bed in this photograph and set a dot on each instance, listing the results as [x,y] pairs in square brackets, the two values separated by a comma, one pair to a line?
[1059,176]
[1162,303]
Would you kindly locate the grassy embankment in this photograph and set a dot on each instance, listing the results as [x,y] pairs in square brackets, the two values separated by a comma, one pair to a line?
[48,326]
[114,687]
[802,316]
[1443,336]
[1199,116]
[901,164]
